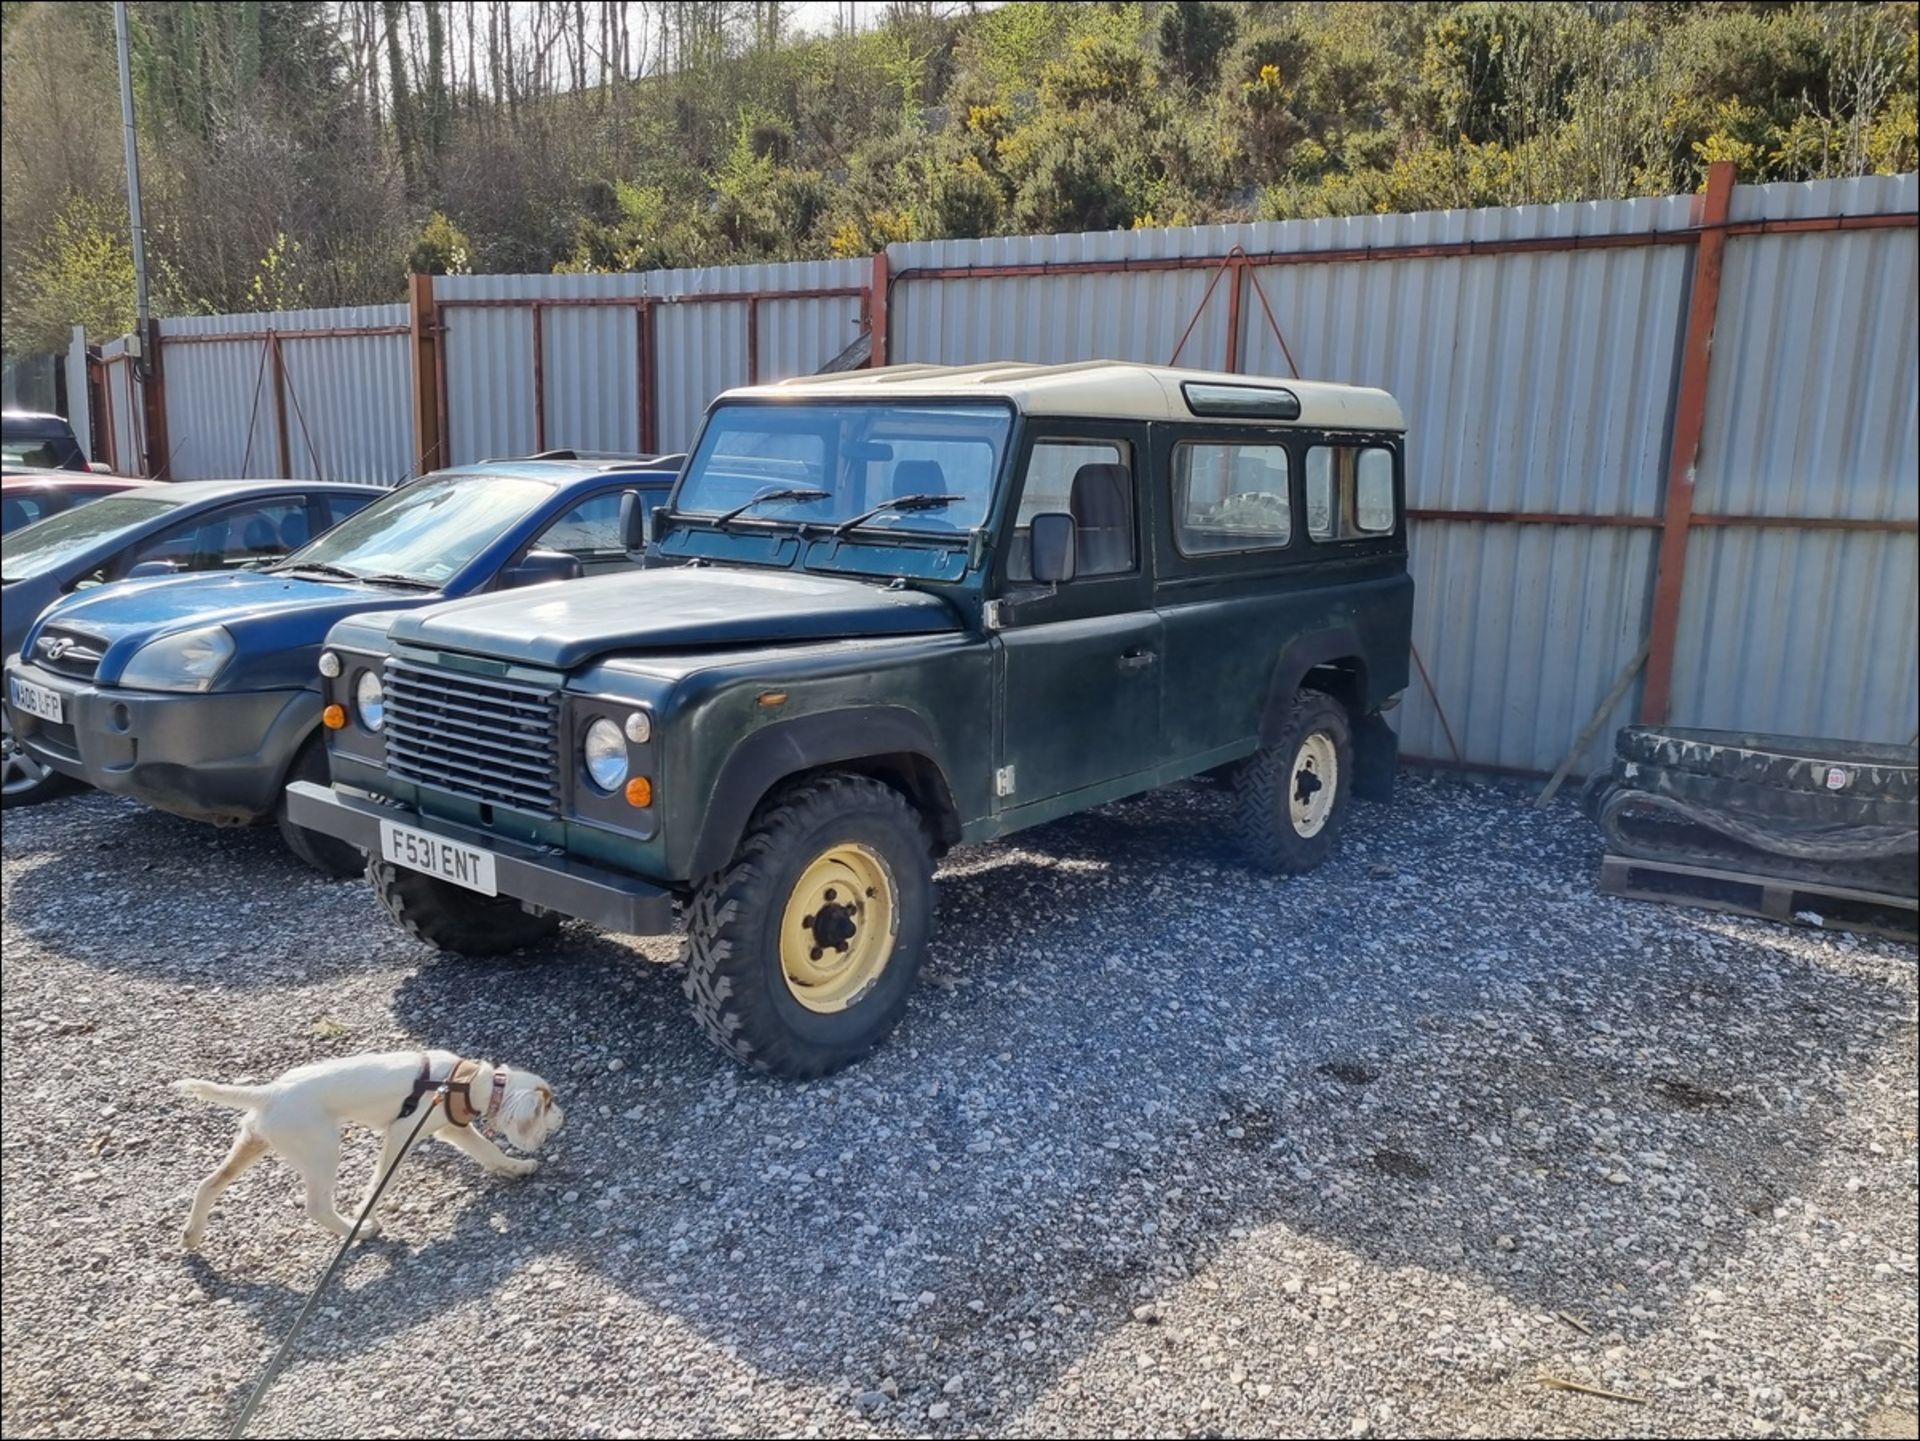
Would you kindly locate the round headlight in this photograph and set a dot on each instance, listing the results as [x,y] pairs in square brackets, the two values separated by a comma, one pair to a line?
[605,754]
[329,664]
[370,700]
[639,727]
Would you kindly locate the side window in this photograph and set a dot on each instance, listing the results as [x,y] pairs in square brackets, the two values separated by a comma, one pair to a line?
[591,528]
[1373,496]
[24,510]
[1349,491]
[1090,480]
[262,530]
[330,510]
[179,544]
[1230,497]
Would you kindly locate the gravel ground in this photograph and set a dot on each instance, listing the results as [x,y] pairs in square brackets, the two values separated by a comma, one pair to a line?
[1162,1148]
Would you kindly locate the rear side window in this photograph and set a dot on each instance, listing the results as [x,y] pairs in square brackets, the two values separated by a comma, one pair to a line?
[1349,491]
[1231,497]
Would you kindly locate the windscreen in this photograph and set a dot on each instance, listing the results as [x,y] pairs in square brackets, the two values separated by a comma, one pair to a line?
[859,457]
[426,531]
[46,544]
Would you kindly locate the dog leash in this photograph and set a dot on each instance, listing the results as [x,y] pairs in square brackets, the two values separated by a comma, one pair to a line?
[286,1347]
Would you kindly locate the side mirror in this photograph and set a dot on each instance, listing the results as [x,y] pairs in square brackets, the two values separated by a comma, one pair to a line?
[538,567]
[634,518]
[148,568]
[1055,543]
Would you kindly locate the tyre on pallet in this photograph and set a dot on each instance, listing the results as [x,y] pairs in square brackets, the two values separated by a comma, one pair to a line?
[1810,764]
[453,918]
[1290,797]
[802,950]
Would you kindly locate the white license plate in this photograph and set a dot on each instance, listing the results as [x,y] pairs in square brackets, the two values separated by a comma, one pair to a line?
[37,700]
[449,860]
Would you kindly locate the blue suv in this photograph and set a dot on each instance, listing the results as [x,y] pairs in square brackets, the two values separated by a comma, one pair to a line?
[200,694]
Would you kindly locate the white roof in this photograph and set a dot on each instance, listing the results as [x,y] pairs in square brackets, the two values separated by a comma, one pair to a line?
[1107,388]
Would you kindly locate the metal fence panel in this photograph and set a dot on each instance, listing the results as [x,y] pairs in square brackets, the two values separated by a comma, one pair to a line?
[591,389]
[1805,632]
[344,400]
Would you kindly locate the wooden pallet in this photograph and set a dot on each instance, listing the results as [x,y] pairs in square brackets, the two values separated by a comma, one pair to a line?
[1839,908]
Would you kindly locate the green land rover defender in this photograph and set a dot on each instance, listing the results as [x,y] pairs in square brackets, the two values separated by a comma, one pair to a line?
[885,614]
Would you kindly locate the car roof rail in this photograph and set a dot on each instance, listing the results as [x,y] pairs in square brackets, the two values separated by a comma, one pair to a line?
[612,457]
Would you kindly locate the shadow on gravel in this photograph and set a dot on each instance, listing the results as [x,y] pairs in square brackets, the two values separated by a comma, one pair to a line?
[1443,1051]
[136,891]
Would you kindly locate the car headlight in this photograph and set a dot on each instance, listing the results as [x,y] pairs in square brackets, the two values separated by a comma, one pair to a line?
[370,700]
[189,661]
[605,754]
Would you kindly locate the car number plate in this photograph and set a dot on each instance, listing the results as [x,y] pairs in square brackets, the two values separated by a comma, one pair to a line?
[449,860]
[37,700]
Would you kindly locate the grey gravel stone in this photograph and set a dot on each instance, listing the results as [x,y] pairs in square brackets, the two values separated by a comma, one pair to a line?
[1292,1120]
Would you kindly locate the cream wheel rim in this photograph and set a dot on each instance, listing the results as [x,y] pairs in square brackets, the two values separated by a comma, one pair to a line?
[1314,784]
[838,930]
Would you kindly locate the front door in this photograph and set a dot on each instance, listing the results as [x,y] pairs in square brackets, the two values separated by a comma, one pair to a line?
[1080,666]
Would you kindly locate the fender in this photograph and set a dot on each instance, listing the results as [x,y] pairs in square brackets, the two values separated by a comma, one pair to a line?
[805,743]
[1302,656]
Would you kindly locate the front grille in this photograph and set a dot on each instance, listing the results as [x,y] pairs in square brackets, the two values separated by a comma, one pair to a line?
[69,652]
[492,740]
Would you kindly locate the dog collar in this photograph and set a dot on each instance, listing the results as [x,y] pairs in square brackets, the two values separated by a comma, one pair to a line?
[496,1094]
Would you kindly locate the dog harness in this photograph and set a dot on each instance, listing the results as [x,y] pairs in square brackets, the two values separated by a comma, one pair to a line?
[459,1083]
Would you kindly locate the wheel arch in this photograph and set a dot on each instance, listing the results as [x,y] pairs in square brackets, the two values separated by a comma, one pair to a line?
[891,744]
[1332,661]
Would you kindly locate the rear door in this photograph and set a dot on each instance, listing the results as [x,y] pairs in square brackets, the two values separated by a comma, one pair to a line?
[1080,672]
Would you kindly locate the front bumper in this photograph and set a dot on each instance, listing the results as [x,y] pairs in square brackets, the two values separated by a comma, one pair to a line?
[543,878]
[206,756]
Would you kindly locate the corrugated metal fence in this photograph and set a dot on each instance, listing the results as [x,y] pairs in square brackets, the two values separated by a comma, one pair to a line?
[1690,424]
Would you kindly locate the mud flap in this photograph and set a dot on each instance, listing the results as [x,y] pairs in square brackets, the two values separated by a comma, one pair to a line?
[1376,757]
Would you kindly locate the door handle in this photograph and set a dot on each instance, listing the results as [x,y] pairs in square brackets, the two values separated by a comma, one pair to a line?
[1138,659]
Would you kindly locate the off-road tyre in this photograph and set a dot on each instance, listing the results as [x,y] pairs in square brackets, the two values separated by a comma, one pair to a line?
[1264,826]
[326,854]
[452,918]
[735,979]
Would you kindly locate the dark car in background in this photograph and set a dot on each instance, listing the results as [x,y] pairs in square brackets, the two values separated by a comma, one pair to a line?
[204,525]
[199,695]
[31,438]
[30,495]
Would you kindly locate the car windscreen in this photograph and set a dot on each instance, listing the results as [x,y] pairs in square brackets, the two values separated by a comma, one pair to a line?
[427,530]
[861,456]
[47,544]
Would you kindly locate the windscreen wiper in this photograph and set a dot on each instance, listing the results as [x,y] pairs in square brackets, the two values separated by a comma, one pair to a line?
[796,492]
[395,577]
[899,502]
[317,567]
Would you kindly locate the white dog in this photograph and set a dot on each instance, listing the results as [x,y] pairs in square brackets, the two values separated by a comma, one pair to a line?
[301,1114]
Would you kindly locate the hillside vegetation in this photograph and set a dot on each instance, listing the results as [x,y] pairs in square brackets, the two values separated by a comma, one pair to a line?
[301,154]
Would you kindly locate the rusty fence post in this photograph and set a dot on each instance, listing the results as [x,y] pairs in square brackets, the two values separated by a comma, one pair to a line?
[539,378]
[282,437]
[153,403]
[877,309]
[1236,296]
[649,389]
[1689,417]
[423,349]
